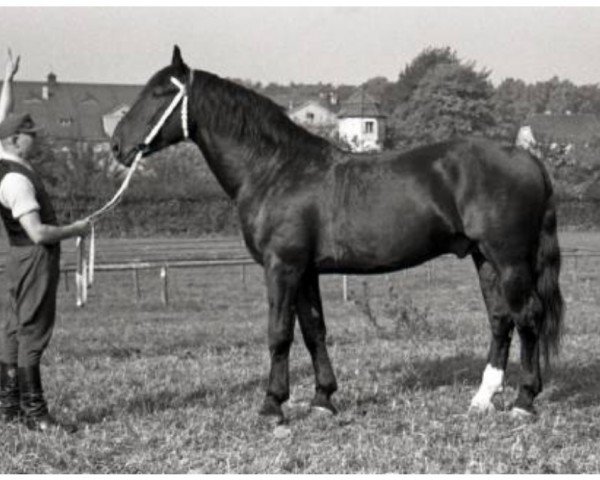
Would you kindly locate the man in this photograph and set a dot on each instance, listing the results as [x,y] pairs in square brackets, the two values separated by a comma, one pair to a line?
[32,269]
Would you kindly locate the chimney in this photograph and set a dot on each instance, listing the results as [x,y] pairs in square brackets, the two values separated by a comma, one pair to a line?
[50,83]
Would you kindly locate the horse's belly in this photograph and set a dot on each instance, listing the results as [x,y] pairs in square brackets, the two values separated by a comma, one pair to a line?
[376,247]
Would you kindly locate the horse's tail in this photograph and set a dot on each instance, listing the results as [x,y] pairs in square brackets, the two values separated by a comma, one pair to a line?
[547,267]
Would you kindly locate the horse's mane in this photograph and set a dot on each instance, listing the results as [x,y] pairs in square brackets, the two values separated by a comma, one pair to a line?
[236,111]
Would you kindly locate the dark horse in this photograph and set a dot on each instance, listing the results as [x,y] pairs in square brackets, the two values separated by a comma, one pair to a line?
[306,207]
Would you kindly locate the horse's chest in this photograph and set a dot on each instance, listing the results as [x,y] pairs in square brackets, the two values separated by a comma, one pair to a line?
[278,225]
[252,220]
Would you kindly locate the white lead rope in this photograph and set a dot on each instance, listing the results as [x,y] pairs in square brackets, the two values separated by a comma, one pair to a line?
[84,276]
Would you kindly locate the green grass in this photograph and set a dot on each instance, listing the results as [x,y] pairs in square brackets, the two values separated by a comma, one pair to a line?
[176,389]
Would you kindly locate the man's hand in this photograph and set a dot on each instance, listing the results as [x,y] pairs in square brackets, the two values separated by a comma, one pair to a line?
[12,66]
[6,95]
[81,228]
[41,233]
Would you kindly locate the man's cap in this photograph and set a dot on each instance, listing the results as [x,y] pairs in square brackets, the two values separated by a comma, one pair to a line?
[19,123]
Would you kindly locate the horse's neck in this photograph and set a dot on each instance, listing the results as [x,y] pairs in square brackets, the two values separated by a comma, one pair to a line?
[226,160]
[248,161]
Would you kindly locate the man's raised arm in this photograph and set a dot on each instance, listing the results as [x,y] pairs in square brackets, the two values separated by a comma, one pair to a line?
[6,96]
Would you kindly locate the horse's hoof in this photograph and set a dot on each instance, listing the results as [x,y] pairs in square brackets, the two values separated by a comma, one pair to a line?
[281,431]
[476,411]
[519,413]
[322,411]
[271,410]
[481,408]
[498,402]
[323,407]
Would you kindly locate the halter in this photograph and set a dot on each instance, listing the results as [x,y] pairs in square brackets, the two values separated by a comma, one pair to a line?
[84,276]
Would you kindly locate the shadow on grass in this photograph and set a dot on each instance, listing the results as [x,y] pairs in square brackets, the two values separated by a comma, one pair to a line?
[578,385]
[184,347]
[427,375]
[435,373]
[578,382]
[162,400]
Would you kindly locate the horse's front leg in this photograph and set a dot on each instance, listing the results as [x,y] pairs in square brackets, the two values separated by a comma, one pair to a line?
[282,281]
[312,325]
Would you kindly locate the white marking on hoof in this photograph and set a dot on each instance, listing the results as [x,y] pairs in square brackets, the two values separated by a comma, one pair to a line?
[521,414]
[491,383]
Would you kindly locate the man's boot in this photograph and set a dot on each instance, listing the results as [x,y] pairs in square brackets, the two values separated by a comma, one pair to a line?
[9,393]
[34,405]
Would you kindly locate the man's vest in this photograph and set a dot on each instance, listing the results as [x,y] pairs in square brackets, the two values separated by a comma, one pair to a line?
[17,236]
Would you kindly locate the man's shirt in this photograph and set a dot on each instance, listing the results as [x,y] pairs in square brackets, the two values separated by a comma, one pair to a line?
[17,194]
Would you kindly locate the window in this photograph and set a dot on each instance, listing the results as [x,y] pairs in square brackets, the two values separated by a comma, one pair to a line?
[310,117]
[369,127]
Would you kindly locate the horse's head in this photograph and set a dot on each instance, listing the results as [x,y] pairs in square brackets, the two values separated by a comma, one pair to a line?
[154,99]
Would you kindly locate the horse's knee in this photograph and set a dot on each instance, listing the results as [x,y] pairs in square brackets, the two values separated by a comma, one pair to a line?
[501,327]
[280,341]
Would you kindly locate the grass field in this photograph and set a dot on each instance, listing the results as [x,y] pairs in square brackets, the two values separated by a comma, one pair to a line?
[176,389]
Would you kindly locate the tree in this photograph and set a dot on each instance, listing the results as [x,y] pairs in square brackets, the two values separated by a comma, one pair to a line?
[588,99]
[375,86]
[413,73]
[562,97]
[450,99]
[511,108]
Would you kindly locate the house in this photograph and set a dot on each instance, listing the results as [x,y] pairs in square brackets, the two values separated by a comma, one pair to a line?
[84,115]
[80,115]
[315,115]
[361,122]
[564,130]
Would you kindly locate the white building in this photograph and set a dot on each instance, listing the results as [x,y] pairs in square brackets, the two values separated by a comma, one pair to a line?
[361,122]
[315,115]
[312,112]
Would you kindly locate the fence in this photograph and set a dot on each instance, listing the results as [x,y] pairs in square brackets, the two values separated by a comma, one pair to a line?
[163,268]
[179,254]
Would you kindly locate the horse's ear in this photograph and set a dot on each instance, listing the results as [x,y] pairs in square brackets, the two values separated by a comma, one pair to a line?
[177,61]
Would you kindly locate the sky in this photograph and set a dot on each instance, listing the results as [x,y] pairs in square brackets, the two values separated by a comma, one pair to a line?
[339,45]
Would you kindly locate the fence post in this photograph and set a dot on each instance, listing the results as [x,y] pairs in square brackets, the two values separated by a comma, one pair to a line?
[345,287]
[165,285]
[136,284]
[244,275]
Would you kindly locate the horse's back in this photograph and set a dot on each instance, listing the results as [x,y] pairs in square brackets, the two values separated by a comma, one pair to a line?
[402,208]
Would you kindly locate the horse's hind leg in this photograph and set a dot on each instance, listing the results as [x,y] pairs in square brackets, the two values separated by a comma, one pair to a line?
[501,325]
[524,302]
[282,281]
[517,281]
[312,325]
